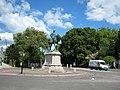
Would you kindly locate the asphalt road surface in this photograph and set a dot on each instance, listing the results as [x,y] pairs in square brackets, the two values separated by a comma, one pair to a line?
[97,80]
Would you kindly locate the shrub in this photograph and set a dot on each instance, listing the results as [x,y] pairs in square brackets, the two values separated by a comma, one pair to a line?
[109,60]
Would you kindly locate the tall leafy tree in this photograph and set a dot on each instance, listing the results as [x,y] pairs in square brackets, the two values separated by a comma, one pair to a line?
[106,41]
[77,44]
[12,54]
[31,42]
[117,49]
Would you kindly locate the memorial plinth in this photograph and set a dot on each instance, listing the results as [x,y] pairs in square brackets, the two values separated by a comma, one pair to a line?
[53,61]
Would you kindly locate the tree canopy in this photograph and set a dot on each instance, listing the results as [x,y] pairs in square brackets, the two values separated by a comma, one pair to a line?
[77,44]
[31,42]
[77,47]
[81,44]
[106,41]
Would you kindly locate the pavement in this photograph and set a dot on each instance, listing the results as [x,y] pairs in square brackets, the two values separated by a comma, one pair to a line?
[71,79]
[83,72]
[6,66]
[41,72]
[9,70]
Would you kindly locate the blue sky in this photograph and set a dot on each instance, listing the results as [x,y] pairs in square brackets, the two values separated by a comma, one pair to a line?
[61,15]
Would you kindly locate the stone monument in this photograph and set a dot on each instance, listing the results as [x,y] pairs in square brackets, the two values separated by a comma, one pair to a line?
[53,57]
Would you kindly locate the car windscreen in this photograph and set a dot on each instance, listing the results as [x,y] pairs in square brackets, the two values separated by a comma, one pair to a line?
[103,63]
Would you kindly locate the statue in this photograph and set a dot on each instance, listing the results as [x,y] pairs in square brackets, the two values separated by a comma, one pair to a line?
[53,56]
[55,38]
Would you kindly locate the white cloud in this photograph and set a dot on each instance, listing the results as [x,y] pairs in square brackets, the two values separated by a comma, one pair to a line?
[5,7]
[11,1]
[66,16]
[108,10]
[55,17]
[6,38]
[68,24]
[1,31]
[18,23]
[36,13]
[26,6]
[17,17]
[22,8]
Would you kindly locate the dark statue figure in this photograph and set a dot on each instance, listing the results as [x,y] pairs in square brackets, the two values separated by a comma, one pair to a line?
[55,38]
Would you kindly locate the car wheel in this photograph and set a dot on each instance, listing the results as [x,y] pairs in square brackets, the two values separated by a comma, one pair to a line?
[106,69]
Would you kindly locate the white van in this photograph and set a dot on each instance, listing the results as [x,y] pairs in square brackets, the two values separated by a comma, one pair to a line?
[98,64]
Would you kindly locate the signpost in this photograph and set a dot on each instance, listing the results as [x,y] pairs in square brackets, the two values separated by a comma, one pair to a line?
[21,63]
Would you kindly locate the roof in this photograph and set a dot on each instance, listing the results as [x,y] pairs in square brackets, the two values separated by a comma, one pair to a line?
[98,60]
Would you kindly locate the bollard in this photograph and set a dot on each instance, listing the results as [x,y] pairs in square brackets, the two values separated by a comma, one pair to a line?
[74,69]
[49,71]
[70,65]
[32,68]
[93,79]
[67,65]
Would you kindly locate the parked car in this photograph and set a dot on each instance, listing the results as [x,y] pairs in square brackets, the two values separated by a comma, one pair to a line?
[98,64]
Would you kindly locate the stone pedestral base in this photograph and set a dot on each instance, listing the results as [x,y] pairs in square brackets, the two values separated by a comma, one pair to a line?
[56,69]
[53,62]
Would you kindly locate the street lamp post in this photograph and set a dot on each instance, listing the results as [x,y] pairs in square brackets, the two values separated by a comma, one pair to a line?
[21,61]
[21,65]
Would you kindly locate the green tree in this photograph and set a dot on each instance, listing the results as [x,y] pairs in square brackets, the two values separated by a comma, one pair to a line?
[12,54]
[32,43]
[106,39]
[109,60]
[117,50]
[77,44]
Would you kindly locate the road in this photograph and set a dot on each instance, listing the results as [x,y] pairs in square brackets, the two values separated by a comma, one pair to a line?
[96,80]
